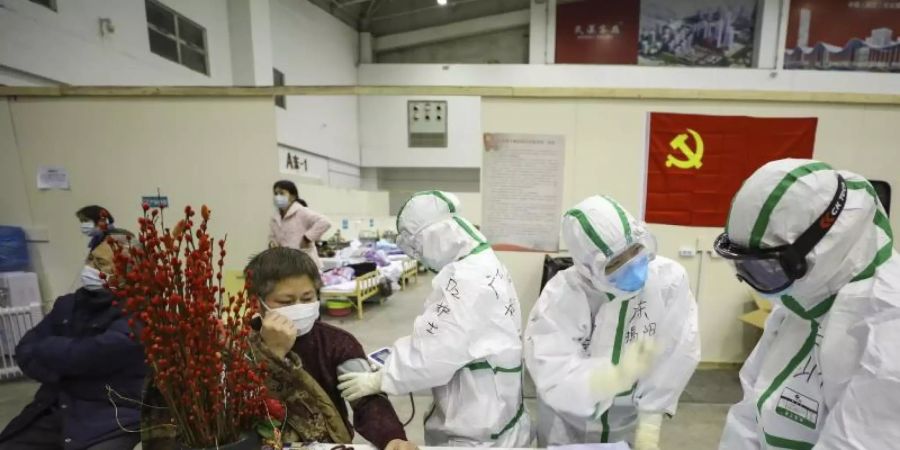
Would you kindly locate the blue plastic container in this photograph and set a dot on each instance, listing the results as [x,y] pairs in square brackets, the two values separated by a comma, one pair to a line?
[13,249]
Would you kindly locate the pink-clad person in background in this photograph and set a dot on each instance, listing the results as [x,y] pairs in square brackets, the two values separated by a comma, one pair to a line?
[294,225]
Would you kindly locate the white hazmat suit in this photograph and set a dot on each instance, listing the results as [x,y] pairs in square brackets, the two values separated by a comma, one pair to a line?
[466,346]
[583,325]
[826,373]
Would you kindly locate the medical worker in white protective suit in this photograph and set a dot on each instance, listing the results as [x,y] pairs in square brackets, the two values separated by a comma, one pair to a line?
[613,340]
[826,373]
[466,345]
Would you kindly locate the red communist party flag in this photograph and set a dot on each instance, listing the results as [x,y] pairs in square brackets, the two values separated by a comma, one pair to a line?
[697,163]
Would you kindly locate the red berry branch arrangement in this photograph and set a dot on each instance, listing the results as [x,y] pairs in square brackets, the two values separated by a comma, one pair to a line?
[195,336]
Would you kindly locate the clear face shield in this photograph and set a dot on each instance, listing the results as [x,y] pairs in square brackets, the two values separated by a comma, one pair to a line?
[405,243]
[409,243]
[627,270]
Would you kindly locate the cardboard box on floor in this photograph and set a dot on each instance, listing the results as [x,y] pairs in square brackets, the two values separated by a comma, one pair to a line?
[758,318]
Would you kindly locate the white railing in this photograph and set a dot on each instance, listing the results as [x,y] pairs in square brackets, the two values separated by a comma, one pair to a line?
[15,321]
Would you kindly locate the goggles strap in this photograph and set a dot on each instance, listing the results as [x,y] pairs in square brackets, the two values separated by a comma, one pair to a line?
[808,240]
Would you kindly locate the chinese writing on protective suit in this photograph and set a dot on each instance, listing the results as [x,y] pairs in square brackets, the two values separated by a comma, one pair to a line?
[634,331]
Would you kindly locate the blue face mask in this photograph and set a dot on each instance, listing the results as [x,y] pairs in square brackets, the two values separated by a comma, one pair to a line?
[633,276]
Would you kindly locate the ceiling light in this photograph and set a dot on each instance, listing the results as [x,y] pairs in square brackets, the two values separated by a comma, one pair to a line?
[442,2]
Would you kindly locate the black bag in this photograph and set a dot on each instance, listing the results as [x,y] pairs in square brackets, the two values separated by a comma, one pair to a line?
[363,268]
[385,289]
[552,266]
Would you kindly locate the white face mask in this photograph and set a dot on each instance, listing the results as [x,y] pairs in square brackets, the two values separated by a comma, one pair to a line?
[304,315]
[281,201]
[90,279]
[87,228]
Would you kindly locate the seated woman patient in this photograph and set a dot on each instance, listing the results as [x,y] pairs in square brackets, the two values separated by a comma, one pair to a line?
[305,358]
[82,356]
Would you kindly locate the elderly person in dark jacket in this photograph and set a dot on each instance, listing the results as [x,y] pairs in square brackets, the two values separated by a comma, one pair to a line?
[87,365]
[305,357]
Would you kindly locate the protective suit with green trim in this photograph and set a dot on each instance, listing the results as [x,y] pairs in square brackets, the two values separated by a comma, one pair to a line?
[466,346]
[585,344]
[826,373]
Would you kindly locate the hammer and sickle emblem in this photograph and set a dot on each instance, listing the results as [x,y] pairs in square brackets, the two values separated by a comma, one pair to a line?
[694,156]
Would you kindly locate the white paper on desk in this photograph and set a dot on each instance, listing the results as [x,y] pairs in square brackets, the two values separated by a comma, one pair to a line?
[52,177]
[615,446]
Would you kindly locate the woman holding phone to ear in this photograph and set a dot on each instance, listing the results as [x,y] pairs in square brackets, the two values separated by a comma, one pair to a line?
[294,225]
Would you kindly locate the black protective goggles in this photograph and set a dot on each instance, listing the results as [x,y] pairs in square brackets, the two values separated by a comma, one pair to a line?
[775,269]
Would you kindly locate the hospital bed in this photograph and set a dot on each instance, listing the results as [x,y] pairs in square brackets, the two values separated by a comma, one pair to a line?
[357,291]
[410,273]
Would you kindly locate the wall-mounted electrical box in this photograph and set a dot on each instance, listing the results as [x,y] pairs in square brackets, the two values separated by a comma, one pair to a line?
[427,123]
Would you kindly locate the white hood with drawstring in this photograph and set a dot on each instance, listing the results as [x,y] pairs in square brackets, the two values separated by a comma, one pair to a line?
[826,372]
[466,345]
[583,325]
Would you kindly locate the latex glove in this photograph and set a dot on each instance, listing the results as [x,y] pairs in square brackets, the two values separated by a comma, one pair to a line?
[356,385]
[637,358]
[646,437]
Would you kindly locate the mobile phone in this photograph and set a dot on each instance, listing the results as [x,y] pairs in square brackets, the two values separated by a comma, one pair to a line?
[380,356]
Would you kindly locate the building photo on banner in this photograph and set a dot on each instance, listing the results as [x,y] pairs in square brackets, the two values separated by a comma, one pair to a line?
[713,33]
[843,35]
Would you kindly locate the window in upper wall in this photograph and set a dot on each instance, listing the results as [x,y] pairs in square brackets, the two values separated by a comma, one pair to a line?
[49,4]
[176,37]
[278,80]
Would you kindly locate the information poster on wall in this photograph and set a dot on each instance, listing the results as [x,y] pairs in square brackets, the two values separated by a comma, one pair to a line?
[843,35]
[52,177]
[522,188]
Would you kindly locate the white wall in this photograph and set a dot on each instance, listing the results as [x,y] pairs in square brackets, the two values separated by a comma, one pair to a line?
[312,47]
[384,137]
[318,169]
[66,46]
[542,33]
[383,126]
[14,207]
[221,152]
[250,34]
[507,46]
[605,148]
[341,175]
[402,183]
[634,77]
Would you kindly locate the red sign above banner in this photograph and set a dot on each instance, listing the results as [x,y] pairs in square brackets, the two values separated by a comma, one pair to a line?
[597,32]
[696,163]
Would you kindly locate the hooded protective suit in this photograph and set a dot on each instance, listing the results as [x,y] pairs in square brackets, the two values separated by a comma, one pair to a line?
[826,373]
[467,345]
[582,325]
